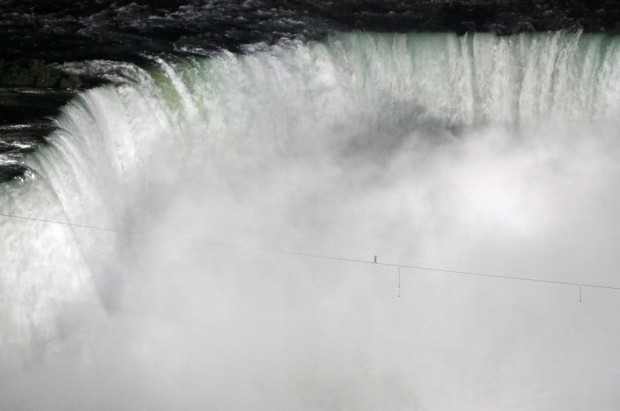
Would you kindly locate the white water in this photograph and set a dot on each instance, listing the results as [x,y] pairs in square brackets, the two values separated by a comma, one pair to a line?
[481,154]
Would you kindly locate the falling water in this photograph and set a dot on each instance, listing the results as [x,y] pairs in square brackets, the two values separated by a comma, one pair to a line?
[475,153]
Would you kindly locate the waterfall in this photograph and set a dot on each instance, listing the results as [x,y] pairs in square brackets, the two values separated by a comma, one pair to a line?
[480,153]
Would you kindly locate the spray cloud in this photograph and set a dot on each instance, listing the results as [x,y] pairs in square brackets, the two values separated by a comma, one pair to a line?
[481,154]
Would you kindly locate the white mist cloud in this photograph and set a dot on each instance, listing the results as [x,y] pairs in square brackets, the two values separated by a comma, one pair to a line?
[294,152]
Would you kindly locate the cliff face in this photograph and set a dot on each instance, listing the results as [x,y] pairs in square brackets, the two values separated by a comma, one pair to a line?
[35,35]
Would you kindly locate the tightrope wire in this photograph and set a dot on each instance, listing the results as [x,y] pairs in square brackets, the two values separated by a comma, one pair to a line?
[323,257]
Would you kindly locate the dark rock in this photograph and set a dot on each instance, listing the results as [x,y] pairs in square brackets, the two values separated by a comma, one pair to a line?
[25,119]
[9,172]
[35,73]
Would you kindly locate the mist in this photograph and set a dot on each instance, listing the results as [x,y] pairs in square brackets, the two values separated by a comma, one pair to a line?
[251,194]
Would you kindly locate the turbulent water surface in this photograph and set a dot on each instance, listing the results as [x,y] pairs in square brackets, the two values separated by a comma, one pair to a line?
[190,185]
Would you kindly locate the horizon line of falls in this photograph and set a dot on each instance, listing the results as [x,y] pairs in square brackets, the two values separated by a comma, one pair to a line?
[475,153]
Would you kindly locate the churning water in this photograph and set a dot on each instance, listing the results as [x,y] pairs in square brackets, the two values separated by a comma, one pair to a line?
[476,153]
